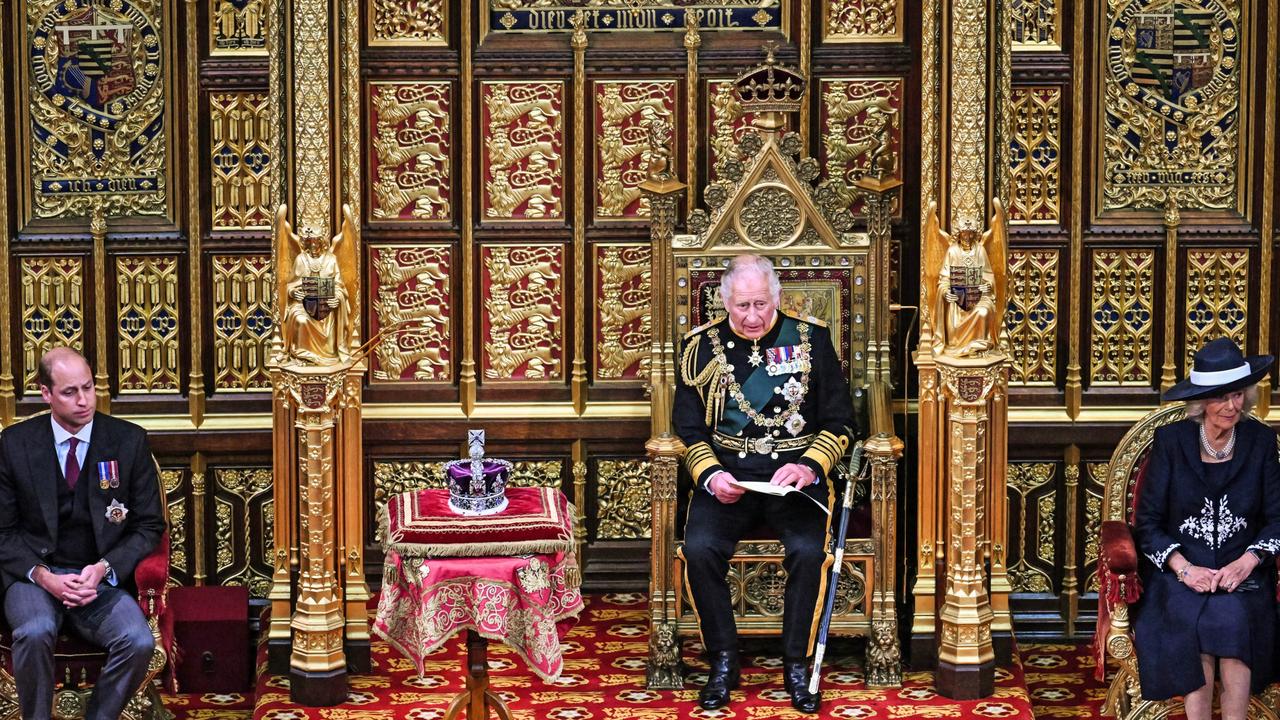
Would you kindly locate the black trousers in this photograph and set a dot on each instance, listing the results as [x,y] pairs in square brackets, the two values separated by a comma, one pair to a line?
[711,534]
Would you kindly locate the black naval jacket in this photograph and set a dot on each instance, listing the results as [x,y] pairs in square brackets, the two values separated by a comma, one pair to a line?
[751,415]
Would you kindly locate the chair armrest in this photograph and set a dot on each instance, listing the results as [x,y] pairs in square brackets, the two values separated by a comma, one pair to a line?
[152,578]
[1118,549]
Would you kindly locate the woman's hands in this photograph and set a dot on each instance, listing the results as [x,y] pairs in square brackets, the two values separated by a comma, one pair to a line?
[1230,577]
[1206,580]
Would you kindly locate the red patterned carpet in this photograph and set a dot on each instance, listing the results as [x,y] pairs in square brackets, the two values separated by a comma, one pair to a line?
[604,680]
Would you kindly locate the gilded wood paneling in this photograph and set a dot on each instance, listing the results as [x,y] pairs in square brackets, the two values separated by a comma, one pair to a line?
[1035,155]
[1093,522]
[522,326]
[1217,298]
[1034,532]
[52,306]
[623,320]
[410,289]
[147,321]
[243,528]
[1120,329]
[623,499]
[408,22]
[182,531]
[99,82]
[240,135]
[623,111]
[861,20]
[410,169]
[1172,110]
[239,25]
[1032,316]
[241,322]
[1035,24]
[861,121]
[522,150]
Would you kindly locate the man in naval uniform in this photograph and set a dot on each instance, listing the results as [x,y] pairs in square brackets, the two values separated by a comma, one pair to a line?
[761,397]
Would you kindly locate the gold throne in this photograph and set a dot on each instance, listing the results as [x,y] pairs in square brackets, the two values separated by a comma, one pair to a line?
[764,201]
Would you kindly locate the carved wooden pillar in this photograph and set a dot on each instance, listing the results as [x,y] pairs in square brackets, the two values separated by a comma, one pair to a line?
[962,514]
[663,191]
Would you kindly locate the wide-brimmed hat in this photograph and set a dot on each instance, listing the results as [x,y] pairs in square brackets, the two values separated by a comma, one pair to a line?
[1219,367]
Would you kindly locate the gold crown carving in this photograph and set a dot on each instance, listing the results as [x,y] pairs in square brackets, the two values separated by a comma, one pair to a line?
[770,87]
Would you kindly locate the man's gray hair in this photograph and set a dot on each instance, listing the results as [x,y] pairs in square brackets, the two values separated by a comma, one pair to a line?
[744,264]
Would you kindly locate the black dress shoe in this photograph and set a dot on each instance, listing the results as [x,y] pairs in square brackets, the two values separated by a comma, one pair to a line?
[795,678]
[722,678]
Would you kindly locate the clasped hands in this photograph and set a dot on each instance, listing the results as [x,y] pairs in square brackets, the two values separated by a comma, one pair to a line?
[727,490]
[1206,580]
[73,589]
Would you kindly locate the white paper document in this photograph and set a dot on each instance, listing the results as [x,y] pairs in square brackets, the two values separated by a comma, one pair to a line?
[771,489]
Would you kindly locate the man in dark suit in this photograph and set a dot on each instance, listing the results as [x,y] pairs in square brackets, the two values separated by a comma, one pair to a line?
[79,508]
[762,397]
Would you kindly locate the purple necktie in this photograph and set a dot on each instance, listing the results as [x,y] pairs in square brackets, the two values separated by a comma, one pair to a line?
[73,465]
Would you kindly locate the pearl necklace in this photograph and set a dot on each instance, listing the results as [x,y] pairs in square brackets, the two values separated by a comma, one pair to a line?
[1222,454]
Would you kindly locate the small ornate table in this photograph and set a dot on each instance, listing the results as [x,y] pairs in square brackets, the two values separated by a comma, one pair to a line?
[526,600]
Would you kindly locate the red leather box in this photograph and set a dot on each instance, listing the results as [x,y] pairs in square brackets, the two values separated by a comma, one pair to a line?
[211,627]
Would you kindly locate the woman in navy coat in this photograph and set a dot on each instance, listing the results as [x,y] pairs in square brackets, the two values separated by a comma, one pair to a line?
[1208,519]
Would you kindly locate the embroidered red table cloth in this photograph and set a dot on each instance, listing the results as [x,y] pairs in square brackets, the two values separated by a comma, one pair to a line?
[528,601]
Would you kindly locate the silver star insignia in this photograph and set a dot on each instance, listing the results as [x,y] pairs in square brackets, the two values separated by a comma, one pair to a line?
[756,358]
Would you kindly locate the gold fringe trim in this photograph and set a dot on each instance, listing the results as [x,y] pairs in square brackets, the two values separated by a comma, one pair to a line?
[560,544]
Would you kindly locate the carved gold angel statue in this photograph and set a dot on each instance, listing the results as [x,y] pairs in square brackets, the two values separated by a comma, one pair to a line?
[965,284]
[316,325]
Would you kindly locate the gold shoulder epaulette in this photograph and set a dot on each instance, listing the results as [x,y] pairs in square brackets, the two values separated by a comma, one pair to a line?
[807,318]
[703,326]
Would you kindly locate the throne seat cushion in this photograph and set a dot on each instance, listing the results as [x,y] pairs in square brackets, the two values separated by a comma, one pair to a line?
[1118,550]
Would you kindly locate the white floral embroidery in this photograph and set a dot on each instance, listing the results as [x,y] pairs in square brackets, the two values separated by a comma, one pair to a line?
[1271,545]
[1158,559]
[1203,526]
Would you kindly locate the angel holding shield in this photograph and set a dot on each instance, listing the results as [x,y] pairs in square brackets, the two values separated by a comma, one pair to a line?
[316,324]
[967,295]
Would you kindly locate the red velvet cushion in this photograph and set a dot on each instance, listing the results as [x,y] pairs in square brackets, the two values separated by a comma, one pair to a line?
[1118,550]
[420,523]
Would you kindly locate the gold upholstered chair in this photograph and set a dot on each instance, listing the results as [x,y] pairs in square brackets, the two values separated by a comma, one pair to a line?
[77,663]
[1119,587]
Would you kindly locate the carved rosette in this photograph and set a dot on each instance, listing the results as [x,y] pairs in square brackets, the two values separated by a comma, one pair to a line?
[623,111]
[240,26]
[147,323]
[861,121]
[408,22]
[52,302]
[861,20]
[522,150]
[522,326]
[623,320]
[410,289]
[410,171]
[624,509]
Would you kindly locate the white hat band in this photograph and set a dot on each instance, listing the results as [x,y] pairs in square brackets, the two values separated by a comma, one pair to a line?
[1220,377]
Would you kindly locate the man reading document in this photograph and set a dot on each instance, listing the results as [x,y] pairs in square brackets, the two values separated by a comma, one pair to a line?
[761,397]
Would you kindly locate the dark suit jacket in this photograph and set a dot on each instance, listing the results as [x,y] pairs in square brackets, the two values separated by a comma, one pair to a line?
[29,474]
